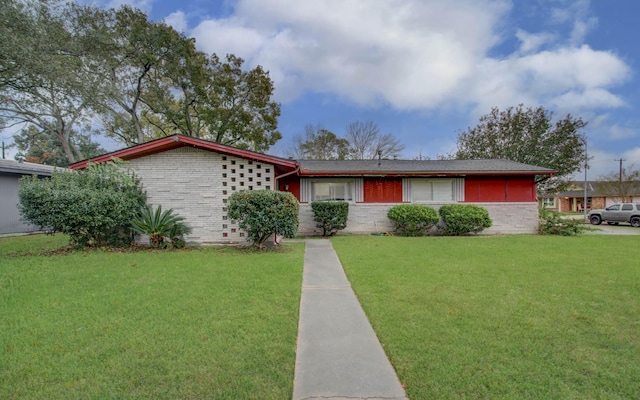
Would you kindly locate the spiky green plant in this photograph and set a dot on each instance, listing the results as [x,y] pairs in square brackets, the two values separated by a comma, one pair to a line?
[162,227]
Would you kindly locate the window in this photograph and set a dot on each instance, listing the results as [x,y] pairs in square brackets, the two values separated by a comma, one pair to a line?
[431,190]
[549,202]
[615,207]
[334,190]
[627,207]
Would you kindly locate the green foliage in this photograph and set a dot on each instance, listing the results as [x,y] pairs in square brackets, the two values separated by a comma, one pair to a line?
[528,136]
[462,219]
[263,213]
[331,216]
[413,219]
[37,147]
[163,227]
[141,78]
[552,223]
[93,206]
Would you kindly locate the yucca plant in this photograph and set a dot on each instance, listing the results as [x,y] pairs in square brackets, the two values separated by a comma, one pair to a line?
[162,227]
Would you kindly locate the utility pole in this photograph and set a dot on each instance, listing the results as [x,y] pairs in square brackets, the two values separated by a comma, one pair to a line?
[620,175]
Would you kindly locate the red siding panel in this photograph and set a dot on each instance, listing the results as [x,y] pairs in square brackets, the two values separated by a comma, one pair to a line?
[499,189]
[479,189]
[290,184]
[383,190]
[521,189]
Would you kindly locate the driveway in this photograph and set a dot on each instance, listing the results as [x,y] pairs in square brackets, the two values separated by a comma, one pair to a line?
[605,229]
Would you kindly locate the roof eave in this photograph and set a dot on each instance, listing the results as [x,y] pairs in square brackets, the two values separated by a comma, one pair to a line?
[177,141]
[422,173]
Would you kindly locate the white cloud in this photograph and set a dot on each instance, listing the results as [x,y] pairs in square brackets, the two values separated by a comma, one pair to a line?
[621,132]
[416,55]
[530,42]
[177,20]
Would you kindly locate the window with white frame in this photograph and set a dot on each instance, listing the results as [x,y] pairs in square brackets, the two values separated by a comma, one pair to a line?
[549,202]
[432,190]
[334,190]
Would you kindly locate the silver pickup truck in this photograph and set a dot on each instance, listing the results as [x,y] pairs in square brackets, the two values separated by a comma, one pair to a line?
[614,214]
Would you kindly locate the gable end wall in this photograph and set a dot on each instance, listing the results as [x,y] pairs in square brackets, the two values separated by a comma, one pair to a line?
[196,185]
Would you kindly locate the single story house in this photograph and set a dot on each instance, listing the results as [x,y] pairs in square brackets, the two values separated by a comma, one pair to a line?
[10,173]
[598,196]
[195,178]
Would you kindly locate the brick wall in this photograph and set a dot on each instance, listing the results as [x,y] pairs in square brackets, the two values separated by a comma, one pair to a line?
[196,185]
[508,218]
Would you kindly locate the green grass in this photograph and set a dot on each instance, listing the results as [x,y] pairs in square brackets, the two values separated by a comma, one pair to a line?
[204,323]
[503,317]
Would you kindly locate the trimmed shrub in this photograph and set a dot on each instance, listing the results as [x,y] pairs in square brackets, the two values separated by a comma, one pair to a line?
[462,219]
[413,219]
[330,216]
[165,230]
[551,223]
[93,206]
[263,213]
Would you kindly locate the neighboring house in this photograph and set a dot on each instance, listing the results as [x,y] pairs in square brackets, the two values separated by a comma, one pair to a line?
[598,196]
[10,174]
[195,178]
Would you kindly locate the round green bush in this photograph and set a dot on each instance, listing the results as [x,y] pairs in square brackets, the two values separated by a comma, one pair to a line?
[412,219]
[330,216]
[94,206]
[462,219]
[262,213]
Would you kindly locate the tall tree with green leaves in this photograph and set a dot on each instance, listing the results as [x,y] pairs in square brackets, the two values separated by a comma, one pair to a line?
[52,90]
[207,98]
[141,78]
[132,49]
[528,135]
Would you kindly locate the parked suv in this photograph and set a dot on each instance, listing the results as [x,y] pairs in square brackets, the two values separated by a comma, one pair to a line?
[623,212]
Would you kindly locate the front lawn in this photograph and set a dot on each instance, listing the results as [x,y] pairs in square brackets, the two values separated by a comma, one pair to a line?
[503,317]
[203,323]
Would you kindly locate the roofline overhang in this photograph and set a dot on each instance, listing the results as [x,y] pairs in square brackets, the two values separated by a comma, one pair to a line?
[177,141]
[307,173]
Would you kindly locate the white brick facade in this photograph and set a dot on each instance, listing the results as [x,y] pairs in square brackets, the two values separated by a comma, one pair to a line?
[508,218]
[196,185]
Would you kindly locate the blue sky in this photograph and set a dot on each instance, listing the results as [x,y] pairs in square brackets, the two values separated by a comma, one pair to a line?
[426,69]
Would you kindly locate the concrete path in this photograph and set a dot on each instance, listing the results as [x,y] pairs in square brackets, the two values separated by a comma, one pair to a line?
[338,354]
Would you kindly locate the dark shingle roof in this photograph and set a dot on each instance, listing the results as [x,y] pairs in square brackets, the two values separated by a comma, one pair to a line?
[26,168]
[418,167]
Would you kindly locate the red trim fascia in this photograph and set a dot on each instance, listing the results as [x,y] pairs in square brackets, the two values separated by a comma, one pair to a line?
[304,173]
[176,141]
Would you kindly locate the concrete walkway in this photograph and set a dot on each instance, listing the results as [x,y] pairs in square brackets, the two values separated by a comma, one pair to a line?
[338,354]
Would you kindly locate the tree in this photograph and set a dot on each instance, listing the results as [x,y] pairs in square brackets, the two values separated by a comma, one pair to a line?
[214,100]
[37,147]
[621,185]
[366,142]
[143,79]
[132,49]
[527,136]
[318,143]
[53,89]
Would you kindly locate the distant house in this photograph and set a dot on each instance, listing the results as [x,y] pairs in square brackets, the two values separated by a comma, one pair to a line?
[196,177]
[10,174]
[598,196]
